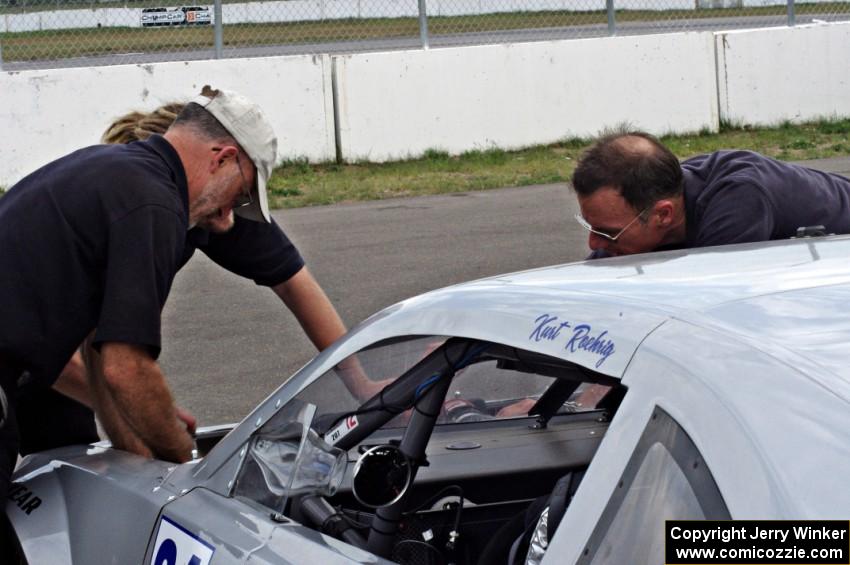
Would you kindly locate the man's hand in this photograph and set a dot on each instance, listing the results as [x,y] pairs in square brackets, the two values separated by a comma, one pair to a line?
[188,419]
[519,408]
[591,395]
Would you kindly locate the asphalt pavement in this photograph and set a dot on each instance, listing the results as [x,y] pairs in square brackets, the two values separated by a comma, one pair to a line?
[228,343]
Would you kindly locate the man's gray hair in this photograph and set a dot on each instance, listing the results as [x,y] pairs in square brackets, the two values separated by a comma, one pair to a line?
[195,117]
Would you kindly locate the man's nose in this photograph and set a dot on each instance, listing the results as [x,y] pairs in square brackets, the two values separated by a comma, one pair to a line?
[597,242]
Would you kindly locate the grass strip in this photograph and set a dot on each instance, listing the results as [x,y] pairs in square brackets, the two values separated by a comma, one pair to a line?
[297,183]
[66,43]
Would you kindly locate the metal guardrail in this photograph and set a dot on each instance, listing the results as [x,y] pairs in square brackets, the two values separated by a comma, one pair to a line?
[59,33]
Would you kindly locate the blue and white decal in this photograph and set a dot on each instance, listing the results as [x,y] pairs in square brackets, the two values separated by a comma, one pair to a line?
[175,545]
[576,337]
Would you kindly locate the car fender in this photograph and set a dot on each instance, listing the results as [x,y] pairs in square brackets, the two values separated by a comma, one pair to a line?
[86,505]
[39,516]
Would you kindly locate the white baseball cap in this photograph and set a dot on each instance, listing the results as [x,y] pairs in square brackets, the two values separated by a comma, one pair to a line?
[249,127]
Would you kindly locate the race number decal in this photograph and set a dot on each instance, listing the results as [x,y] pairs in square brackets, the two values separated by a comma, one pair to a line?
[176,545]
[341,430]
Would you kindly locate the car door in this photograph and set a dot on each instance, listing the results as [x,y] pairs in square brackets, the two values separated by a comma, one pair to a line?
[650,467]
[205,528]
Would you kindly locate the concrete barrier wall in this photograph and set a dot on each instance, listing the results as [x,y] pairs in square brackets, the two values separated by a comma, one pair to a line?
[397,104]
[46,114]
[797,74]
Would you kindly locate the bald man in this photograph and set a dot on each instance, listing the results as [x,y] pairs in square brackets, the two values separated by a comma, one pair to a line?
[635,197]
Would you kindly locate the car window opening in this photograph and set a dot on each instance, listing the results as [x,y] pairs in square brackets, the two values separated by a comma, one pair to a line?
[478,435]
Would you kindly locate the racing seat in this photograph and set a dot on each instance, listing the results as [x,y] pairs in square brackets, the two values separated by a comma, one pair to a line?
[523,540]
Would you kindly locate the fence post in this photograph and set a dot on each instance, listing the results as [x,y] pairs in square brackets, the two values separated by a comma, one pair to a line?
[791,18]
[612,26]
[219,35]
[423,24]
[1,55]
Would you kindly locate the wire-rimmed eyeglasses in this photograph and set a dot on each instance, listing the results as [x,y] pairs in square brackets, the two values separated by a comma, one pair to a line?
[586,225]
[244,198]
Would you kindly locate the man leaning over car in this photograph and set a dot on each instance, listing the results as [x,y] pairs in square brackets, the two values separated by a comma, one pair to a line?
[90,244]
[636,197]
[247,247]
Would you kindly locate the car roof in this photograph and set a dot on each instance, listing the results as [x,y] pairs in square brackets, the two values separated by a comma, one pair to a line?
[789,293]
[653,320]
[747,346]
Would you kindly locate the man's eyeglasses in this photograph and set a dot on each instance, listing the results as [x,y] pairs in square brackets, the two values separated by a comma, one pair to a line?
[244,198]
[586,225]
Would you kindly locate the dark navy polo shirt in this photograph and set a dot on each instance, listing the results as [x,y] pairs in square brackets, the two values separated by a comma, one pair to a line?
[91,240]
[742,196]
[254,250]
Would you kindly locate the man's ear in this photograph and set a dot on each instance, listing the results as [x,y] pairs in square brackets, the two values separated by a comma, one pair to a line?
[664,211]
[220,155]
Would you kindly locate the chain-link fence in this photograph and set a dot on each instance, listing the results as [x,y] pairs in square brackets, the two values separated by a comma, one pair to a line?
[60,33]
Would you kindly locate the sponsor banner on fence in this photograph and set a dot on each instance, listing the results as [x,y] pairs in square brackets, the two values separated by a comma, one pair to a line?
[184,15]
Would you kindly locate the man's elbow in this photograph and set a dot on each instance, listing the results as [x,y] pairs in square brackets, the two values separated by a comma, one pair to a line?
[123,362]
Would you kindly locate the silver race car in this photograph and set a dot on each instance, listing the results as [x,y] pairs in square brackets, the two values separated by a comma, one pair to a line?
[551,416]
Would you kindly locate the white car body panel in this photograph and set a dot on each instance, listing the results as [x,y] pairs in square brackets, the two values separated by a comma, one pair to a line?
[746,347]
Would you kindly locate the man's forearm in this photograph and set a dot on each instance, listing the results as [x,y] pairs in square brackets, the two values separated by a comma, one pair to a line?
[73,382]
[141,395]
[320,321]
[82,380]
[119,431]
[311,306]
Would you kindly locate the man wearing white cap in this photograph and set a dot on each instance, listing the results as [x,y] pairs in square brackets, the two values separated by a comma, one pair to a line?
[90,245]
[250,248]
